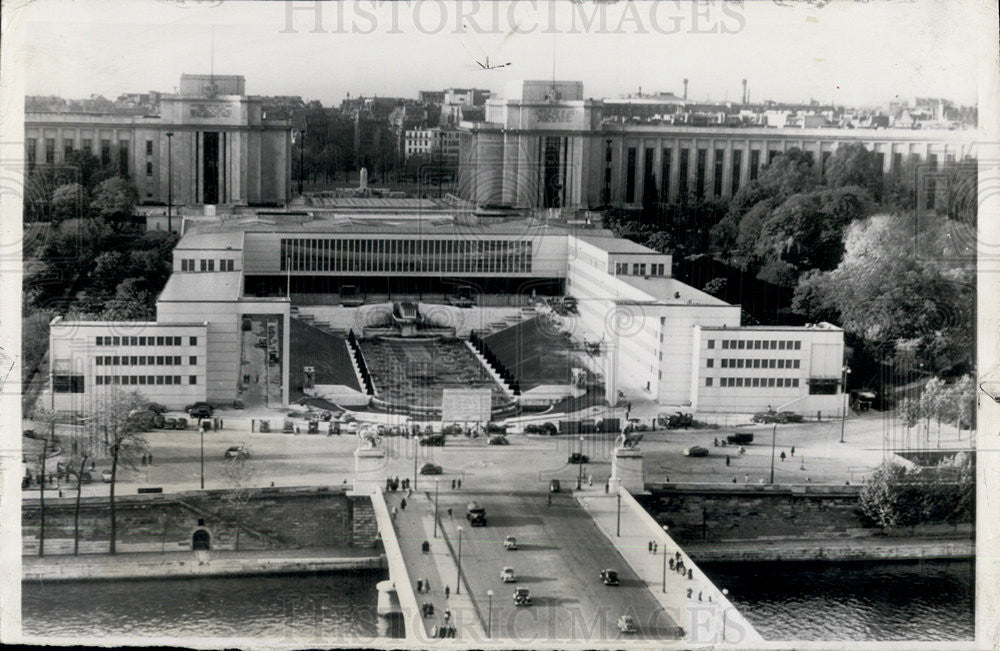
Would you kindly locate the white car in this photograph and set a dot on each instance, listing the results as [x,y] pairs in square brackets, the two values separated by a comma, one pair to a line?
[106,476]
[507,575]
[510,543]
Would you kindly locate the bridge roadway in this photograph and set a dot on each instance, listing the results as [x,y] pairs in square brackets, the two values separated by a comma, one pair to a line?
[562,552]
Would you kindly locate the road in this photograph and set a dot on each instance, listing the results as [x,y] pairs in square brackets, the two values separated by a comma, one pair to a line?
[561,555]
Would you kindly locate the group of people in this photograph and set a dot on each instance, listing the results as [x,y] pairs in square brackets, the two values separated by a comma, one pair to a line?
[677,565]
[393,484]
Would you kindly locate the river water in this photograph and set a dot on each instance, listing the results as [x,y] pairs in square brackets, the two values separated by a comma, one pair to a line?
[285,608]
[857,601]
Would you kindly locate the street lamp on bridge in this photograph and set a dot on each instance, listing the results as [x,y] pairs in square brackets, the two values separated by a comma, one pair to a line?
[489,615]
[843,414]
[435,508]
[579,474]
[458,581]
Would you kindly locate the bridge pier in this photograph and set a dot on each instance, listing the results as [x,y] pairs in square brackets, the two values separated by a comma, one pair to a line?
[388,600]
[627,471]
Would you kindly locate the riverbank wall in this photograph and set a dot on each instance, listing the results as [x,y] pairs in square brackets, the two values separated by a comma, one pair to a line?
[271,519]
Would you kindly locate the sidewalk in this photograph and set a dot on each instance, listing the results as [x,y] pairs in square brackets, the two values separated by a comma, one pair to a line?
[699,608]
[151,565]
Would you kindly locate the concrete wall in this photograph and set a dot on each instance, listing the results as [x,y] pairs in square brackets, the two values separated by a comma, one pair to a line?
[275,518]
[755,513]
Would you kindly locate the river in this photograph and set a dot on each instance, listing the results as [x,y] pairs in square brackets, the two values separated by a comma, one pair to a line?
[314,608]
[857,601]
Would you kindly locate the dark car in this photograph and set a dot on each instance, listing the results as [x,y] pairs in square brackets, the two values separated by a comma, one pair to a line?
[696,451]
[498,440]
[475,514]
[237,452]
[609,577]
[199,410]
[431,469]
[576,457]
[739,438]
[554,486]
[433,439]
[522,597]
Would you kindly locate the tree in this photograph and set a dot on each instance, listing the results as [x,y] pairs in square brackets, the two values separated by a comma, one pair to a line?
[114,414]
[715,286]
[854,165]
[885,499]
[48,419]
[909,412]
[115,200]
[68,201]
[76,466]
[240,475]
[130,303]
[931,405]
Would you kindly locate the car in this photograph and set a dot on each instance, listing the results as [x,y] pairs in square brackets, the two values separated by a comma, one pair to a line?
[198,404]
[106,476]
[507,575]
[31,434]
[554,486]
[200,410]
[499,439]
[431,469]
[156,407]
[434,439]
[739,438]
[609,577]
[522,597]
[313,427]
[576,457]
[510,543]
[696,451]
[636,425]
[237,452]
[238,404]
[180,423]
[159,421]
[790,417]
[626,624]
[475,514]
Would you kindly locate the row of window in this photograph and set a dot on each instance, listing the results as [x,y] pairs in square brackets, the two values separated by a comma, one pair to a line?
[144,379]
[143,360]
[439,256]
[758,344]
[187,264]
[752,382]
[144,341]
[639,269]
[753,363]
[31,146]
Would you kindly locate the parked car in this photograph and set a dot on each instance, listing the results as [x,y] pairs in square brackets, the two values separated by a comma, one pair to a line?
[626,624]
[159,421]
[156,407]
[237,452]
[106,476]
[30,433]
[554,486]
[609,577]
[434,439]
[510,543]
[522,597]
[313,427]
[790,417]
[265,426]
[739,438]
[576,457]
[431,469]
[475,514]
[507,575]
[675,420]
[288,427]
[170,423]
[238,404]
[498,440]
[696,451]
[199,410]
[181,423]
[637,425]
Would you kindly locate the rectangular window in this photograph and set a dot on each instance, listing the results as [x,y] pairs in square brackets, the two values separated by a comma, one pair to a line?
[67,147]
[142,341]
[711,343]
[754,163]
[717,181]
[795,363]
[732,344]
[133,341]
[204,265]
[630,176]
[755,382]
[149,168]
[798,345]
[193,341]
[699,181]
[50,150]
[773,344]
[684,172]
[142,379]
[708,381]
[68,383]
[116,341]
[116,360]
[739,382]
[665,176]
[725,362]
[781,345]
[192,379]
[770,381]
[737,166]
[781,363]
[159,379]
[177,360]
[149,147]
[709,363]
[99,341]
[756,363]
[99,360]
[87,145]
[105,152]
[193,359]
[739,363]
[741,344]
[725,344]
[795,382]
[756,344]
[159,341]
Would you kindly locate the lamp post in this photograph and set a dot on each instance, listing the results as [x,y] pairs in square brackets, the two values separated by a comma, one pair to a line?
[302,157]
[579,474]
[774,434]
[170,182]
[843,414]
[618,529]
[665,528]
[489,614]
[458,581]
[724,593]
[435,508]
[202,430]
[416,450]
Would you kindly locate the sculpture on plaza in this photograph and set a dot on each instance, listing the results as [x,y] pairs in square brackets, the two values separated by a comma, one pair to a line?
[628,440]
[368,437]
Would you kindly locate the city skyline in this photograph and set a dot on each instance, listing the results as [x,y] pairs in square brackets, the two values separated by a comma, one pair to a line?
[388,50]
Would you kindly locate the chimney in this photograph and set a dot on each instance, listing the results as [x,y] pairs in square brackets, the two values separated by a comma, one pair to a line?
[744,91]
[685,89]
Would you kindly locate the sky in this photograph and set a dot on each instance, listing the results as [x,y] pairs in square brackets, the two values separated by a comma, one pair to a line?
[788,50]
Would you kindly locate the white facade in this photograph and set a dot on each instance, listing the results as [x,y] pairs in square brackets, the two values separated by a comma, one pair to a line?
[164,361]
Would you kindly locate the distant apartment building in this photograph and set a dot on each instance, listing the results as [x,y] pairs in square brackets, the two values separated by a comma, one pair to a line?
[436,143]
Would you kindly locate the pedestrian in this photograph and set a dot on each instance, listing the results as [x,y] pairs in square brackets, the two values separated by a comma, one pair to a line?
[782,455]
[452,484]
[715,442]
[447,616]
[143,460]
[690,574]
[760,481]
[402,504]
[606,486]
[690,591]
[460,482]
[427,585]
[257,378]
[727,460]
[447,592]
[394,513]
[746,479]
[649,546]
[549,499]
[449,513]
[149,458]
[655,547]
[793,450]
[395,483]
[220,423]
[420,585]
[672,565]
[699,595]
[590,480]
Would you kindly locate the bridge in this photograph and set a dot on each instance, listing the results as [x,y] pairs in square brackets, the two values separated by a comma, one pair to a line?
[563,545]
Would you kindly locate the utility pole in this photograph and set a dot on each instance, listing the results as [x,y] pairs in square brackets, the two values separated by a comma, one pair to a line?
[843,414]
[774,434]
[170,182]
[302,157]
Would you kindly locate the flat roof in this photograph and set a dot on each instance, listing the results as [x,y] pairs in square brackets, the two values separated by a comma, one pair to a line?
[383,225]
[374,203]
[616,245]
[816,327]
[202,238]
[198,287]
[670,291]
[59,321]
